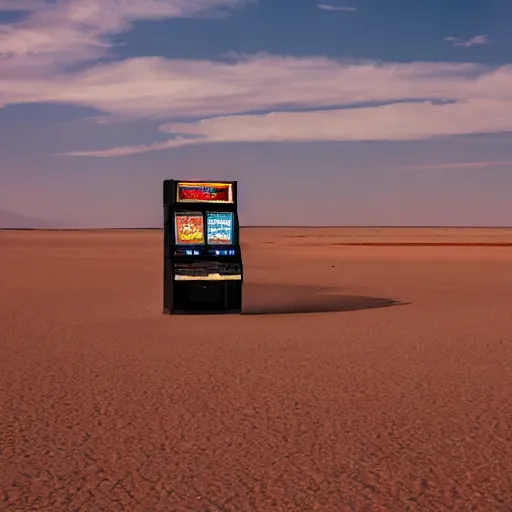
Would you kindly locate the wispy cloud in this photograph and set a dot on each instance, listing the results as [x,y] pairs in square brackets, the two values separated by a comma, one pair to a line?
[339,101]
[384,123]
[446,166]
[75,30]
[329,7]
[468,43]
[154,87]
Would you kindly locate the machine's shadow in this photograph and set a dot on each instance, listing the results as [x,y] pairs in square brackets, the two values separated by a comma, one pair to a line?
[267,299]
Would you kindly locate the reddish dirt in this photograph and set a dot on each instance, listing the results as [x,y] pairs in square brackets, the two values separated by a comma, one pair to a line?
[428,244]
[359,379]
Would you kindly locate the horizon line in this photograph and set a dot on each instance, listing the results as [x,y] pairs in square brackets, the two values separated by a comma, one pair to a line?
[341,226]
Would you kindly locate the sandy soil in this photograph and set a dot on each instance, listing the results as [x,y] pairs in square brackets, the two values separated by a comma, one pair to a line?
[359,379]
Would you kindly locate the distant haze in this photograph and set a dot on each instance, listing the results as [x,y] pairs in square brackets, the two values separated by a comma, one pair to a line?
[9,220]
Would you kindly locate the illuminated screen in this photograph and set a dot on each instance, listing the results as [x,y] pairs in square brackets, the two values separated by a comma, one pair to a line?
[205,192]
[220,228]
[189,228]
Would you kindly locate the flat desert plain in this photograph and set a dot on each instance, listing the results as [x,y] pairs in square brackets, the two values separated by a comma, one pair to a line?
[360,378]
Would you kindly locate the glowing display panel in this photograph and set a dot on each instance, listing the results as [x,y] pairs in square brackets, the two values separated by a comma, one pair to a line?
[189,228]
[205,193]
[220,227]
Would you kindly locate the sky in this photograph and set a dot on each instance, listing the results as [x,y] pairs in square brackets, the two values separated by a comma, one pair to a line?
[342,112]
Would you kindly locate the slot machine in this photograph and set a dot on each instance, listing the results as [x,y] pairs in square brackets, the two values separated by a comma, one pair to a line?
[203,270]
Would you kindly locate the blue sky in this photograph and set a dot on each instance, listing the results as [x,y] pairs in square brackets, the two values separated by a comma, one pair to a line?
[355,112]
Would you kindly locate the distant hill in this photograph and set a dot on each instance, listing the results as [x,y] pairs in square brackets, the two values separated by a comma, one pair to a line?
[10,220]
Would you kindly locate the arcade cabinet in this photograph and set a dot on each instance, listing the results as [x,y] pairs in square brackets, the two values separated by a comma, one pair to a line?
[203,271]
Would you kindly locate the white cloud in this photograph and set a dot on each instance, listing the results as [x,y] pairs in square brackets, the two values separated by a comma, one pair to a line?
[166,89]
[395,122]
[73,30]
[479,99]
[329,7]
[468,43]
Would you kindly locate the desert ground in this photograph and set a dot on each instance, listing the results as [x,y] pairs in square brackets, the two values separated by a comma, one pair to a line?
[359,378]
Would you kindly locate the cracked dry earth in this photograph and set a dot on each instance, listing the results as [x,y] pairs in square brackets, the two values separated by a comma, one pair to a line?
[326,396]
